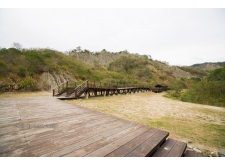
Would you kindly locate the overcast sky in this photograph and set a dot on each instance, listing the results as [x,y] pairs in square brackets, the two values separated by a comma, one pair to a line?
[177,36]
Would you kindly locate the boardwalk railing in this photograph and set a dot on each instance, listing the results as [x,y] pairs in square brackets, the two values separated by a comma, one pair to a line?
[114,86]
[86,86]
[60,88]
[81,89]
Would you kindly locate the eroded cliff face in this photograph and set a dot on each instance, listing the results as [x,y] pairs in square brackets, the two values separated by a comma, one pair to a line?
[208,66]
[175,71]
[103,58]
[45,81]
[49,81]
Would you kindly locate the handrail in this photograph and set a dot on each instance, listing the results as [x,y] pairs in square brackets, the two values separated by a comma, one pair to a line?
[66,82]
[57,89]
[78,90]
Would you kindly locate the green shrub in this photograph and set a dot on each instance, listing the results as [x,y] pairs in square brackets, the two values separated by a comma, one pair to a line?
[27,82]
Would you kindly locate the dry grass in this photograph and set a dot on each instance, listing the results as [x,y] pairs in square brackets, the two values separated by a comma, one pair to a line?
[203,125]
[24,94]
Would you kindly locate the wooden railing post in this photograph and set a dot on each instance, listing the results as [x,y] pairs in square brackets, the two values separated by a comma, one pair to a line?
[53,92]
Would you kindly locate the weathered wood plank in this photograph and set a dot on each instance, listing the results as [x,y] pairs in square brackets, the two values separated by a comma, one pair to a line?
[37,134]
[101,143]
[189,153]
[149,146]
[50,144]
[130,146]
[171,148]
[165,148]
[107,132]
[178,149]
[118,143]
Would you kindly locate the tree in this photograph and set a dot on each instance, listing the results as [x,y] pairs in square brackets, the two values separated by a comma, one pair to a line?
[17,45]
[78,49]
[149,57]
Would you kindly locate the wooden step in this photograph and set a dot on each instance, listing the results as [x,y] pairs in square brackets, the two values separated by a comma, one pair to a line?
[192,154]
[148,147]
[171,148]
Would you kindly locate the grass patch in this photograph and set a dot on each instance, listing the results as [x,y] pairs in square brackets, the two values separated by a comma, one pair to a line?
[211,135]
[24,94]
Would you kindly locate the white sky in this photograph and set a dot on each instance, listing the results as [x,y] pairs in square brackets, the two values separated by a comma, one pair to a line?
[178,36]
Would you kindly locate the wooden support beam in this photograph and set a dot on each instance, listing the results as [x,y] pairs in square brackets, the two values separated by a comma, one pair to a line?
[86,95]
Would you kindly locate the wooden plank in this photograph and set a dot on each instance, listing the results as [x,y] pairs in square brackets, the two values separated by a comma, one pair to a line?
[165,148]
[101,143]
[73,132]
[35,134]
[149,146]
[178,149]
[60,143]
[88,141]
[189,153]
[118,143]
[171,148]
[130,146]
[65,139]
[200,155]
[14,128]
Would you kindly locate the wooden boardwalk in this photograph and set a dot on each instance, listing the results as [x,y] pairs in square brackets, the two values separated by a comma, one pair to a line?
[46,126]
[88,89]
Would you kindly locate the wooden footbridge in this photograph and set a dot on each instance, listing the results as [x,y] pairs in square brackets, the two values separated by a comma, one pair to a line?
[87,89]
[45,126]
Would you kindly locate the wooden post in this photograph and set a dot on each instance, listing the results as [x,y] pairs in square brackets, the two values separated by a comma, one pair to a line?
[86,95]
[53,92]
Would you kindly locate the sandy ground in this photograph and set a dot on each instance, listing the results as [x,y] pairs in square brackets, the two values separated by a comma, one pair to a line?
[154,105]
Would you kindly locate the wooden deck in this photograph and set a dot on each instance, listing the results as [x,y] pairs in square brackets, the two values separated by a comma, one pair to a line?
[45,126]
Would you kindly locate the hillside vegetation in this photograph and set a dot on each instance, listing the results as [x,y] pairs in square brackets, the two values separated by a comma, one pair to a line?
[37,69]
[22,69]
[209,91]
[207,66]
